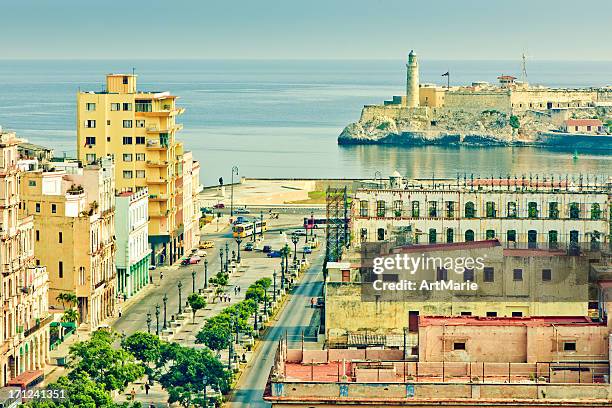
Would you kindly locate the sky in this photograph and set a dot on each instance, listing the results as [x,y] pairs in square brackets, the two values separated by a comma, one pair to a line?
[307,29]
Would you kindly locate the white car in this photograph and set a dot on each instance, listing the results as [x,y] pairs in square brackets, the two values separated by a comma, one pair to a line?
[201,253]
[301,232]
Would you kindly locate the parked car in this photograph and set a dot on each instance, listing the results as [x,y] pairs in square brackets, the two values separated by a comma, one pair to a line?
[152,267]
[185,261]
[274,254]
[301,232]
[206,210]
[219,205]
[241,211]
[307,250]
[194,260]
[206,244]
[249,246]
[320,302]
[266,249]
[202,253]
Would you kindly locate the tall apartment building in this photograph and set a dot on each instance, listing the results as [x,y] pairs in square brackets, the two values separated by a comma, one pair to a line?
[138,129]
[522,212]
[131,226]
[74,233]
[24,332]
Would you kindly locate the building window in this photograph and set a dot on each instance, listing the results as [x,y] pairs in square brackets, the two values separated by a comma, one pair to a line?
[54,208]
[511,235]
[574,211]
[469,235]
[450,235]
[491,314]
[140,174]
[127,157]
[517,275]
[37,207]
[466,313]
[488,274]
[380,208]
[511,209]
[432,235]
[37,235]
[546,275]
[140,157]
[459,346]
[490,207]
[450,209]
[517,314]
[90,157]
[397,208]
[90,141]
[115,106]
[127,106]
[380,235]
[553,211]
[552,239]
[470,210]
[140,140]
[32,183]
[363,208]
[127,124]
[60,238]
[595,211]
[532,210]
[346,276]
[569,346]
[127,140]
[140,123]
[90,107]
[468,275]
[127,174]
[90,124]
[125,80]
[490,234]
[60,269]
[441,274]
[364,234]
[415,209]
[108,122]
[433,210]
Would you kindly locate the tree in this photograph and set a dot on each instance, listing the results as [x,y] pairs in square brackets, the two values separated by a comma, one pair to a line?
[216,334]
[256,293]
[196,302]
[70,315]
[112,368]
[78,391]
[514,122]
[145,347]
[264,283]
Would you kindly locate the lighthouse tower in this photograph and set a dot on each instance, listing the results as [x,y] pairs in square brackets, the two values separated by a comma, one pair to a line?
[412,81]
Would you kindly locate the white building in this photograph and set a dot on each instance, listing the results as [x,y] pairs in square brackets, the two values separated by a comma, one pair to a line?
[132,229]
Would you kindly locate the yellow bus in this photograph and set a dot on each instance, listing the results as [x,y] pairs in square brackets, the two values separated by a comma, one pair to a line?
[245,229]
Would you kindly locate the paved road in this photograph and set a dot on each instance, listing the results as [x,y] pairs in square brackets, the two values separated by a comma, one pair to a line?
[294,318]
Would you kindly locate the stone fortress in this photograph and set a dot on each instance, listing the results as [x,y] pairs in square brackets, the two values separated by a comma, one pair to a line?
[511,112]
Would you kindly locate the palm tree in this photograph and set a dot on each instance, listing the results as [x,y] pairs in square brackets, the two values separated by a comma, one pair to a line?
[70,315]
[71,299]
[61,298]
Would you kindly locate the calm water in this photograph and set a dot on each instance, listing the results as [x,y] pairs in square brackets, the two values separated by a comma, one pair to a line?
[281,118]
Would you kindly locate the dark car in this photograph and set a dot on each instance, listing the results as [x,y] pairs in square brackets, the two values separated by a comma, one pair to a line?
[219,205]
[248,246]
[266,249]
[185,261]
[274,254]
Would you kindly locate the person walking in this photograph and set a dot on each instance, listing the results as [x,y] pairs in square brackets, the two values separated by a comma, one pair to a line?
[147,388]
[120,311]
[133,394]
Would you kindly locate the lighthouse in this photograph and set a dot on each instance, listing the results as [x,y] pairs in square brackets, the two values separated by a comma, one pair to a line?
[412,81]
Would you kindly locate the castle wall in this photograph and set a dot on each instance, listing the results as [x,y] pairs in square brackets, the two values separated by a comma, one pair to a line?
[533,98]
[478,101]
[395,112]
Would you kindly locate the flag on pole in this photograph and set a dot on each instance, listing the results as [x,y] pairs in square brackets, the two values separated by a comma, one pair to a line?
[446,74]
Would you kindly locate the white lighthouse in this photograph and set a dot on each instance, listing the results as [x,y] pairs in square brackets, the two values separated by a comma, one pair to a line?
[412,81]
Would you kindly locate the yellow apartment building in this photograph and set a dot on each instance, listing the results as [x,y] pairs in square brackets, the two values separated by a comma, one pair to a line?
[138,129]
[25,318]
[74,238]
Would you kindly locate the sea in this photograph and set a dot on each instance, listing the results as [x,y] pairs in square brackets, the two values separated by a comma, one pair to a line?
[281,118]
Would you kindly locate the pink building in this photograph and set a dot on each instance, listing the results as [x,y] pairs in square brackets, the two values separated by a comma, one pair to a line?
[582,126]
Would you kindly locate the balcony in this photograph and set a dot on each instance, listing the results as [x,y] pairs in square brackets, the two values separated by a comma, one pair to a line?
[161,163]
[156,181]
[158,197]
[40,323]
[156,145]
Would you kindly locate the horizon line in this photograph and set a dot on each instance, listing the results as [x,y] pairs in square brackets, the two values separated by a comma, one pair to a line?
[290,59]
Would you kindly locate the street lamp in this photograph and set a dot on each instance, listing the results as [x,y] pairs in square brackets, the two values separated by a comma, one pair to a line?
[255,323]
[287,258]
[231,344]
[295,239]
[206,274]
[157,320]
[193,275]
[226,256]
[238,242]
[254,230]
[261,223]
[312,224]
[274,280]
[221,259]
[165,300]
[148,322]
[234,171]
[282,271]
[180,287]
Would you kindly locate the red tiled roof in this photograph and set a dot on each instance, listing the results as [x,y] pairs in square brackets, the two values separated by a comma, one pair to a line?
[583,122]
[506,77]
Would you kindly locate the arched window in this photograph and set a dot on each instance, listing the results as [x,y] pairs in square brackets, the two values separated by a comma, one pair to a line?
[553,238]
[490,206]
[450,235]
[432,235]
[469,235]
[511,209]
[532,210]
[574,211]
[470,210]
[595,211]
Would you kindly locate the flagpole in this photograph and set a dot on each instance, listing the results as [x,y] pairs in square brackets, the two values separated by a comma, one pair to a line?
[448,80]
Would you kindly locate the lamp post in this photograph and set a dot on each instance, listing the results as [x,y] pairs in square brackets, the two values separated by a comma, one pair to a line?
[165,300]
[206,274]
[180,287]
[221,259]
[287,258]
[157,320]
[238,242]
[254,230]
[312,226]
[193,275]
[205,381]
[231,345]
[295,239]
[148,322]
[261,223]
[274,280]
[282,285]
[226,256]
[234,171]
[255,323]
